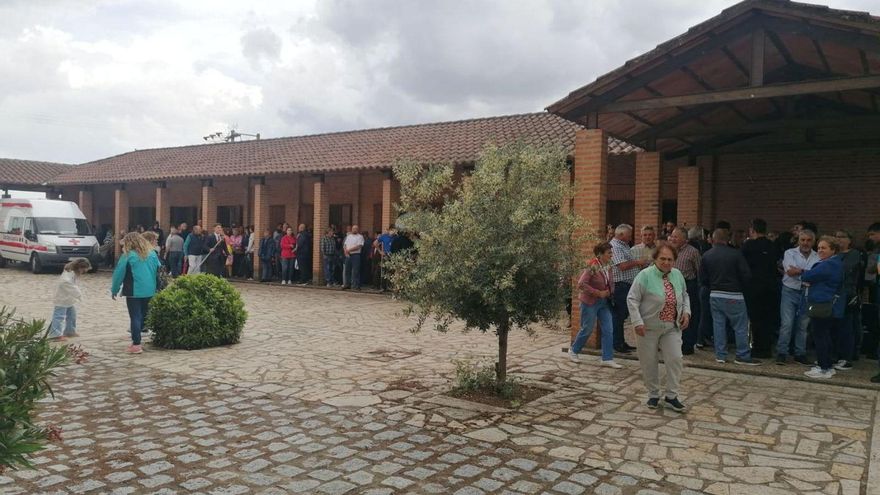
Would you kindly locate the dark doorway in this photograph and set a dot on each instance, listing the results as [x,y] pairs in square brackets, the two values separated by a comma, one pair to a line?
[619,212]
[340,215]
[276,215]
[229,215]
[180,214]
[141,215]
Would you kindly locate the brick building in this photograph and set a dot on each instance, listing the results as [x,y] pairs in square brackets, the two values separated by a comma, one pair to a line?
[338,178]
[769,109]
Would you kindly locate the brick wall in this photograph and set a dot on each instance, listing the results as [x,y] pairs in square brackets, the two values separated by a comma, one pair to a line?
[834,189]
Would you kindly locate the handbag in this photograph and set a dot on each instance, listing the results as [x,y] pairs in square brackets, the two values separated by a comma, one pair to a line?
[820,309]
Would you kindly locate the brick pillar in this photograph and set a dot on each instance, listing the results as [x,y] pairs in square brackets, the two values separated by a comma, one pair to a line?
[120,216]
[86,204]
[590,201]
[209,205]
[706,164]
[163,207]
[647,200]
[390,195]
[321,222]
[689,204]
[356,203]
[261,219]
[292,200]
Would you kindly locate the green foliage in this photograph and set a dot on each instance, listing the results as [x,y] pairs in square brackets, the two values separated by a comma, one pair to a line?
[480,377]
[493,250]
[27,361]
[196,311]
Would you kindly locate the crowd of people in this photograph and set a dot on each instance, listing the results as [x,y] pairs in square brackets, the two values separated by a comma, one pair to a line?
[690,289]
[351,258]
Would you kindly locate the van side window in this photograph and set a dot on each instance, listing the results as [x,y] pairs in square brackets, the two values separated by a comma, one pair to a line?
[15,225]
[28,225]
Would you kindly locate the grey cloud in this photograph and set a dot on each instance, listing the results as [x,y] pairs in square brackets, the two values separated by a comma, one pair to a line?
[261,44]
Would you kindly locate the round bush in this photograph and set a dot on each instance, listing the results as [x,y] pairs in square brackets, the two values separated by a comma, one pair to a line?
[196,311]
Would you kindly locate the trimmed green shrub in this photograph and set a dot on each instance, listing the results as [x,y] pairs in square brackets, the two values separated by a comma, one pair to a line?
[195,312]
[27,361]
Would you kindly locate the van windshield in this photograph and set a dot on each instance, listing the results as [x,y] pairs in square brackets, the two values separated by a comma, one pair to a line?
[62,226]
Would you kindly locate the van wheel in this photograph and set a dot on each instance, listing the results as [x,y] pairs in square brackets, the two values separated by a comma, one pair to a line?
[36,264]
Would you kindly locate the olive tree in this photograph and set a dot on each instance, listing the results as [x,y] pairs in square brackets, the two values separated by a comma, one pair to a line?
[496,249]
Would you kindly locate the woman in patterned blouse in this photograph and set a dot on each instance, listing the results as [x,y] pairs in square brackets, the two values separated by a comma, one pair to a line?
[659,308]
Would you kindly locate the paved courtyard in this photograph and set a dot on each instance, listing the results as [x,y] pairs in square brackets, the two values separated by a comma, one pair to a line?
[329,393]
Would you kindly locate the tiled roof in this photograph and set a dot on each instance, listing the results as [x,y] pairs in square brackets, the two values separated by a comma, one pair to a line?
[29,173]
[455,142]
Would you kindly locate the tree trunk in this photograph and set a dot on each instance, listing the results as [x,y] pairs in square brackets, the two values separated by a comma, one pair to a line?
[501,365]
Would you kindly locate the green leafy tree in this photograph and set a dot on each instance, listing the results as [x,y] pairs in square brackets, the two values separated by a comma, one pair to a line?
[27,361]
[495,249]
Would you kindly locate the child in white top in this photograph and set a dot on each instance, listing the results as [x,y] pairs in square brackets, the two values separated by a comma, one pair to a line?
[67,294]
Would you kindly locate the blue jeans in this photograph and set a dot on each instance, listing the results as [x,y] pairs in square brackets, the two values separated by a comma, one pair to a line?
[589,314]
[352,272]
[734,311]
[287,269]
[329,264]
[137,313]
[175,262]
[265,270]
[63,315]
[621,312]
[793,314]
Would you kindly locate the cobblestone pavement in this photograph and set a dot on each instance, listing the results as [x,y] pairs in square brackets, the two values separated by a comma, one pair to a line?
[329,393]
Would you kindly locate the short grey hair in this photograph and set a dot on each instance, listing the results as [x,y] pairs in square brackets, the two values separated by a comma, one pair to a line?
[696,233]
[624,227]
[807,232]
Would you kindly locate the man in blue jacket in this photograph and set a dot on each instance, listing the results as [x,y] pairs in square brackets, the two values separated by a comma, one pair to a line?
[267,256]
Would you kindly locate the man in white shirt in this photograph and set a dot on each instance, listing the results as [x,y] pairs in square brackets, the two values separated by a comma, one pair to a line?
[792,310]
[645,249]
[351,247]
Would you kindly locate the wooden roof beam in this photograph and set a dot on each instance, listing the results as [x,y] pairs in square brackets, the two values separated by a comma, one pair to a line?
[669,64]
[858,40]
[771,125]
[822,57]
[745,94]
[705,85]
[780,47]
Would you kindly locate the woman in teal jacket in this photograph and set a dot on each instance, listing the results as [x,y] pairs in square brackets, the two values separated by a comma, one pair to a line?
[140,260]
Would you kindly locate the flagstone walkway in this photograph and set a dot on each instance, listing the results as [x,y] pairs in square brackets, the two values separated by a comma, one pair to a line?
[329,393]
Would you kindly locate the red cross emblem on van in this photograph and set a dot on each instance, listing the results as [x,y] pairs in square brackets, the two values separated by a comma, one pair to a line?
[75,242]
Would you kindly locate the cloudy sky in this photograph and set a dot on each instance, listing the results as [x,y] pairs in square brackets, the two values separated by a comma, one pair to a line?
[86,79]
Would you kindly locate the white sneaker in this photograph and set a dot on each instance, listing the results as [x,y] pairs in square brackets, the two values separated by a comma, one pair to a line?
[819,373]
[611,364]
[284,282]
[574,357]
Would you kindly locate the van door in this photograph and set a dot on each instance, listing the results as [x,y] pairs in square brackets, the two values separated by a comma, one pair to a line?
[13,240]
[29,237]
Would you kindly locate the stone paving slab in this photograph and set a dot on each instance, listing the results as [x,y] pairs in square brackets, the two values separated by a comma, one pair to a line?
[307,356]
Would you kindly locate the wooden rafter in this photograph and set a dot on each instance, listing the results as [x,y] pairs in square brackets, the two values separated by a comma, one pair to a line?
[779,124]
[822,57]
[744,94]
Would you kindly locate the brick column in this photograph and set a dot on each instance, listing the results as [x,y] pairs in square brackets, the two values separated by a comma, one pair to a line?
[87,205]
[706,164]
[390,195]
[647,199]
[120,216]
[209,205]
[292,200]
[689,204]
[590,202]
[356,203]
[321,222]
[163,207]
[261,219]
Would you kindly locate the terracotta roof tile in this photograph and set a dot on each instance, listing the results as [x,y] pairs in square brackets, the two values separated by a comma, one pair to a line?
[29,173]
[456,142]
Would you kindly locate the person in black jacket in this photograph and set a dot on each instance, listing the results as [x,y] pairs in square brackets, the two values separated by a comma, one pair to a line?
[217,252]
[267,256]
[304,254]
[762,291]
[725,272]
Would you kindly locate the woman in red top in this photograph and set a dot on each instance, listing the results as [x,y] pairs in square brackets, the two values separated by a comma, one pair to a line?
[288,256]
[596,286]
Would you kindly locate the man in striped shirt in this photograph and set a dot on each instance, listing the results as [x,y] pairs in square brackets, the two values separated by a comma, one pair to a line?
[688,263]
[626,267]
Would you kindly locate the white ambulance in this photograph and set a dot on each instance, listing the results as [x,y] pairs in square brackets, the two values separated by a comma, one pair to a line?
[45,233]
